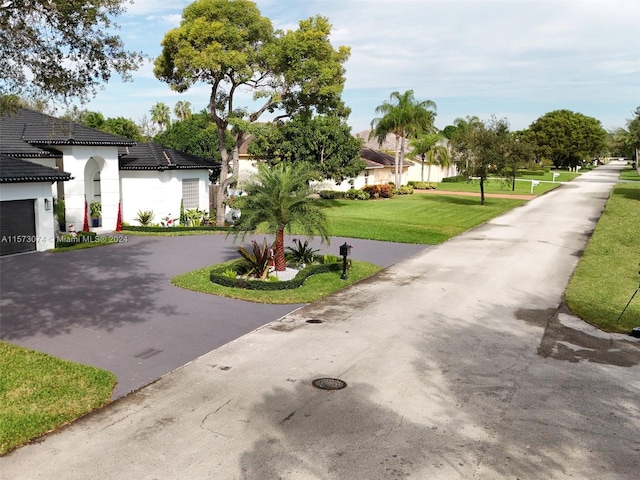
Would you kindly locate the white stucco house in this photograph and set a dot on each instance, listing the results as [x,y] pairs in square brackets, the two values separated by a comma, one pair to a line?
[105,168]
[26,204]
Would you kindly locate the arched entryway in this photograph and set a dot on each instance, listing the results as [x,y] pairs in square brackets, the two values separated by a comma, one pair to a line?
[93,185]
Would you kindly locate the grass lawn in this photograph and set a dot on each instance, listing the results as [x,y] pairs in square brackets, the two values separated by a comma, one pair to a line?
[607,274]
[314,288]
[39,393]
[522,186]
[419,219]
[630,174]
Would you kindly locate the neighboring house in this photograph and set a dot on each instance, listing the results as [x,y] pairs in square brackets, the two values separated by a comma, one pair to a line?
[416,172]
[106,168]
[26,205]
[380,169]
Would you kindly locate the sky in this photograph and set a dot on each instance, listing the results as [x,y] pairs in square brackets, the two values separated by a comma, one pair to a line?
[515,59]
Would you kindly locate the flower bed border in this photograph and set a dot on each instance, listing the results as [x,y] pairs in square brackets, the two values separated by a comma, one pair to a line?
[216,276]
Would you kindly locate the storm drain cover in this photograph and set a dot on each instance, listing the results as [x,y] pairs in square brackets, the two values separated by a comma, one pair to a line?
[314,320]
[329,383]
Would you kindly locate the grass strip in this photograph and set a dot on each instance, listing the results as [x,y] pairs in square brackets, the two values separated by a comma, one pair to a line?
[39,393]
[607,275]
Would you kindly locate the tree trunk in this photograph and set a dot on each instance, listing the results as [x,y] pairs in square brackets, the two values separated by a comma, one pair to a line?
[395,179]
[422,170]
[402,142]
[281,264]
[481,191]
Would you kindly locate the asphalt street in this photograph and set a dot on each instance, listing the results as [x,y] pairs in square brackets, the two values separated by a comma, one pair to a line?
[460,362]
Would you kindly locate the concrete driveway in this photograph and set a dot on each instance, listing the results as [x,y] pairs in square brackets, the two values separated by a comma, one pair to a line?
[460,363]
[114,306]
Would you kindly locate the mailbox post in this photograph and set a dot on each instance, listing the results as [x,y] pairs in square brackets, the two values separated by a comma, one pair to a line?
[345,250]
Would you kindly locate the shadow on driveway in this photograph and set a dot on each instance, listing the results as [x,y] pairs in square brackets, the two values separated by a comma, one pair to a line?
[114,306]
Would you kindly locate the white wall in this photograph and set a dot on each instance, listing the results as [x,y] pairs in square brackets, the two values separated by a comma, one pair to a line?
[160,192]
[75,160]
[45,230]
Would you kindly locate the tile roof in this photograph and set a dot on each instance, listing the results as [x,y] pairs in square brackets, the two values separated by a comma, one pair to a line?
[152,156]
[377,158]
[34,134]
[16,170]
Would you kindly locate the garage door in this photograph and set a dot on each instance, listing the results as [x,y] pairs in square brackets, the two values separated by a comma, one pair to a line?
[17,227]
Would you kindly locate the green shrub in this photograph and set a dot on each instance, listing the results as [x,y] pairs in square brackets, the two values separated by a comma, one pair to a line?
[405,190]
[144,217]
[154,229]
[330,194]
[328,259]
[420,185]
[354,194]
[229,273]
[300,253]
[217,277]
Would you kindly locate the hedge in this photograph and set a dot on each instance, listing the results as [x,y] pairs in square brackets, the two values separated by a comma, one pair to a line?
[217,276]
[133,228]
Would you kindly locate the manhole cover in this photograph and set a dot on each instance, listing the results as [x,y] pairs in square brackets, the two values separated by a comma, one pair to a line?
[329,383]
[314,320]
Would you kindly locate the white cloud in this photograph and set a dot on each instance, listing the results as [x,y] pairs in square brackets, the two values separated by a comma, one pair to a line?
[519,58]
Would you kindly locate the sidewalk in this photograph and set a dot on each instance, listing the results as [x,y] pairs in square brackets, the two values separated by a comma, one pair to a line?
[455,363]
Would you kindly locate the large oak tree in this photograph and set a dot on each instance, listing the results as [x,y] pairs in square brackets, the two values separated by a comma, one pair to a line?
[230,46]
[325,143]
[567,138]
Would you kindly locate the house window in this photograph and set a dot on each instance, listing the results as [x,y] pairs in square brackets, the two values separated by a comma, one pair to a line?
[97,193]
[190,196]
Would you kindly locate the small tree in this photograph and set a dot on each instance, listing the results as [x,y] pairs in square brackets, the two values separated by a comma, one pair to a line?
[279,197]
[430,150]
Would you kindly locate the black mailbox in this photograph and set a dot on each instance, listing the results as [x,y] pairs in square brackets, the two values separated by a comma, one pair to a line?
[345,250]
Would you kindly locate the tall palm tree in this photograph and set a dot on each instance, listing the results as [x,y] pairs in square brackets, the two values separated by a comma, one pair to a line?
[280,197]
[404,116]
[182,110]
[430,150]
[161,115]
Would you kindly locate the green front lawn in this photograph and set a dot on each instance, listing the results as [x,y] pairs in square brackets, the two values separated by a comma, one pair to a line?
[39,393]
[419,219]
[607,275]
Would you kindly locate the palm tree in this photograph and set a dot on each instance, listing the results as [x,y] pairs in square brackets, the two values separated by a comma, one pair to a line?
[160,114]
[403,116]
[280,197]
[182,110]
[430,150]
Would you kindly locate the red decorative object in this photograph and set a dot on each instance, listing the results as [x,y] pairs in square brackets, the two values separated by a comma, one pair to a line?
[119,221]
[85,225]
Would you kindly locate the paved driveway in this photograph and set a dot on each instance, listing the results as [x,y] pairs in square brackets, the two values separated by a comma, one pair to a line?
[114,306]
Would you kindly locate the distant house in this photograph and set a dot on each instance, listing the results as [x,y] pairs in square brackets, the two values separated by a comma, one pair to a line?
[380,169]
[105,168]
[416,171]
